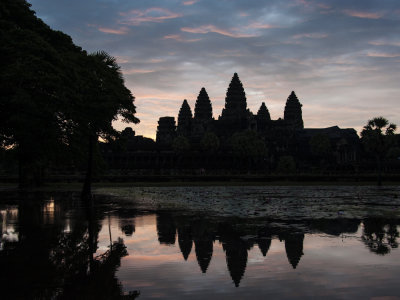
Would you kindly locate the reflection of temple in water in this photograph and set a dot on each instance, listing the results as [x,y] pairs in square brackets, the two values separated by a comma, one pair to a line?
[40,233]
[185,240]
[236,252]
[236,242]
[294,247]
[166,229]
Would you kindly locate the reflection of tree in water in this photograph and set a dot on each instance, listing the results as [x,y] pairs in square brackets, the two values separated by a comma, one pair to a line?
[56,261]
[127,225]
[166,228]
[126,220]
[380,235]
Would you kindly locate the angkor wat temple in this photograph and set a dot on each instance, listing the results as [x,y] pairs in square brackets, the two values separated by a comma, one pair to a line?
[238,139]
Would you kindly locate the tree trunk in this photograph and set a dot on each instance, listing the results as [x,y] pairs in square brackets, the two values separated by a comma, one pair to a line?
[87,186]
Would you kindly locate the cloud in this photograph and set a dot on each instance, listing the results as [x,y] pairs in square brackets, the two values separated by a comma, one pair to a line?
[190,2]
[211,28]
[154,14]
[310,36]
[179,38]
[258,25]
[321,49]
[383,54]
[363,14]
[384,43]
[137,71]
[119,31]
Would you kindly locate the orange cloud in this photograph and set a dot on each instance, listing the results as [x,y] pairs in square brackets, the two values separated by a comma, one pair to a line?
[154,14]
[122,30]
[362,14]
[211,28]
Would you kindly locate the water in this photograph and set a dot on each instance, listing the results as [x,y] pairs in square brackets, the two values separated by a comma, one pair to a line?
[215,243]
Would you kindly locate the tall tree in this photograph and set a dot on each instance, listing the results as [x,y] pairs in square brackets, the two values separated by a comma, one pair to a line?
[377,138]
[53,95]
[34,84]
[104,99]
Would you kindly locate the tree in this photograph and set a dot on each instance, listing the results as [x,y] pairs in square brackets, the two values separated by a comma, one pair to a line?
[104,99]
[54,97]
[35,87]
[376,137]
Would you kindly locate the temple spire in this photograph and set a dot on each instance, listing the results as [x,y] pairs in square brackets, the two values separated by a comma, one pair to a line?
[203,108]
[293,113]
[263,113]
[235,100]
[184,119]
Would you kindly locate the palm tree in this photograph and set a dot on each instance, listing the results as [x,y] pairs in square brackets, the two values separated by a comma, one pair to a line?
[376,139]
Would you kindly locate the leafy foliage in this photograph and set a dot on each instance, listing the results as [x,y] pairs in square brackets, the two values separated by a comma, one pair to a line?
[53,95]
[376,135]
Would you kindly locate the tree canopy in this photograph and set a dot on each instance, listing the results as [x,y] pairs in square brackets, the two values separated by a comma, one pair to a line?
[53,95]
[376,137]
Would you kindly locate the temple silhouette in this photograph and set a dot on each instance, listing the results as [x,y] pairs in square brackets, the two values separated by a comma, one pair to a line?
[237,140]
[235,117]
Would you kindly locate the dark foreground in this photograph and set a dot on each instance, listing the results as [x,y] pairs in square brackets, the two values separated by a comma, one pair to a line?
[202,242]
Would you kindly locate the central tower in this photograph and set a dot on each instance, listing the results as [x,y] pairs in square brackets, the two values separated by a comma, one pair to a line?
[235,100]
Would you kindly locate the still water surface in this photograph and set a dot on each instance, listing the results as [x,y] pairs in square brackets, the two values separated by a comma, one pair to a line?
[52,247]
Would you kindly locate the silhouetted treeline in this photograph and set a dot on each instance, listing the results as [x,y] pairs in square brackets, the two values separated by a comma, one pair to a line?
[56,100]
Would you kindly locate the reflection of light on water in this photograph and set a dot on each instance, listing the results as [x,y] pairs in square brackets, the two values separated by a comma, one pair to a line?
[49,212]
[9,218]
[67,228]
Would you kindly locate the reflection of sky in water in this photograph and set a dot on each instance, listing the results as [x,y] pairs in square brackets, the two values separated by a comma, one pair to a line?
[327,266]
[331,267]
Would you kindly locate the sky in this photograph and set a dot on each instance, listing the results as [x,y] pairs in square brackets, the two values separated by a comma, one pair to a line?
[342,58]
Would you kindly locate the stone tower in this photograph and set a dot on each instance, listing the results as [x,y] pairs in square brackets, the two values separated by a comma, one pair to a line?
[202,121]
[184,119]
[166,131]
[263,113]
[293,114]
[203,108]
[263,118]
[235,100]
